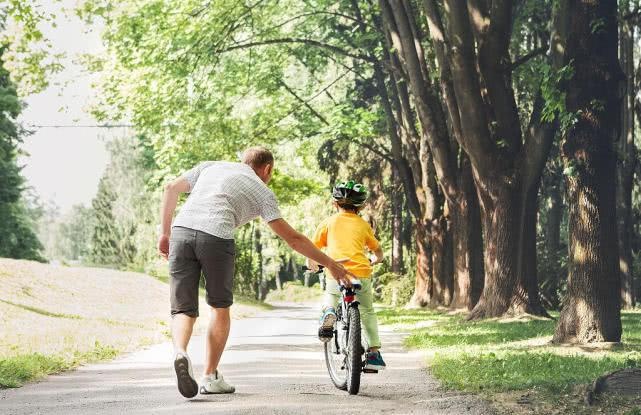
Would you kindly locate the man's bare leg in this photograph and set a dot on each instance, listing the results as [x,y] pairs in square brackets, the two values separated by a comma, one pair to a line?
[217,333]
[182,326]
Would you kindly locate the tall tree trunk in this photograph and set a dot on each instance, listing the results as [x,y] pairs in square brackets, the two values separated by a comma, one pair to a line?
[591,309]
[626,166]
[500,217]
[552,237]
[397,224]
[624,232]
[258,244]
[423,280]
[467,243]
[528,287]
[441,263]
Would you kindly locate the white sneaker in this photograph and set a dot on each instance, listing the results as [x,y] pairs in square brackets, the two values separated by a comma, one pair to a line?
[215,383]
[187,385]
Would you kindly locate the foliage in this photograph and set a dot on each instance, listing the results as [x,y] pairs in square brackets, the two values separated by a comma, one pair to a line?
[124,210]
[74,234]
[181,73]
[17,226]
[394,289]
[29,55]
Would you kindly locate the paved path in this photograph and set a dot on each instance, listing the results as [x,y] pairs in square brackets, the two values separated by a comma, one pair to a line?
[275,361]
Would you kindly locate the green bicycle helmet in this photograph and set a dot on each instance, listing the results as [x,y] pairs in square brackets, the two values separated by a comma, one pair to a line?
[349,193]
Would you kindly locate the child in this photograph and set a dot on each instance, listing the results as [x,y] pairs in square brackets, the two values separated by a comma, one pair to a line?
[345,236]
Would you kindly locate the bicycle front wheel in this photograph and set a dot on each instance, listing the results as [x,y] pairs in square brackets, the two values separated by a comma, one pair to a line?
[354,351]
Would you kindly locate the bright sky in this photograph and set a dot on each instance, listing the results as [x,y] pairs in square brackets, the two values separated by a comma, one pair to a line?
[65,164]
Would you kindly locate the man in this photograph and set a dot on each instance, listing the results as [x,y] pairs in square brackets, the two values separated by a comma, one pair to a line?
[223,196]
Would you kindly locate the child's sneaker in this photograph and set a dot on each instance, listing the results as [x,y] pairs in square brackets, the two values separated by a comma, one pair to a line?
[374,361]
[326,329]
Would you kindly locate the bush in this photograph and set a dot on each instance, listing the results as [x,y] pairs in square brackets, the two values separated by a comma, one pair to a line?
[394,289]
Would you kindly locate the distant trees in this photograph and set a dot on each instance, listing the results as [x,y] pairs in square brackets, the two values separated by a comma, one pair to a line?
[124,209]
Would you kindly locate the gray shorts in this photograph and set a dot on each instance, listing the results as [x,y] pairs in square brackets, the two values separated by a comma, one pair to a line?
[190,253]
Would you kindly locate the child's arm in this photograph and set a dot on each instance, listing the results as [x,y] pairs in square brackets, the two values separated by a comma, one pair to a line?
[374,246]
[320,240]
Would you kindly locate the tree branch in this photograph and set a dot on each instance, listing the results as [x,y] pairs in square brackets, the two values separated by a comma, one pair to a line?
[383,153]
[632,16]
[305,103]
[530,55]
[319,93]
[309,42]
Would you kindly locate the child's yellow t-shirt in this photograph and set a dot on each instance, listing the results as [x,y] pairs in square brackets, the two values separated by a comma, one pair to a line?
[345,235]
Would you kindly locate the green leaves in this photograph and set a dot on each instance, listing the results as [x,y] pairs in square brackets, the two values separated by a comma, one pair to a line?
[28,55]
[554,96]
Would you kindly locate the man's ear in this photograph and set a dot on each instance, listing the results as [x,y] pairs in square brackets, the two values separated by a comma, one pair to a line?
[269,169]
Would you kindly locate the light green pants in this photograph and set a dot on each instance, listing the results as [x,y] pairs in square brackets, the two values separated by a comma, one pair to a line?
[364,296]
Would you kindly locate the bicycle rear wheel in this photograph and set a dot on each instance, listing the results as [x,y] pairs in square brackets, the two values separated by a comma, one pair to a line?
[354,351]
[335,357]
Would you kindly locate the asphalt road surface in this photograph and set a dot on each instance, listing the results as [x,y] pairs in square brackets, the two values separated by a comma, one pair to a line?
[276,363]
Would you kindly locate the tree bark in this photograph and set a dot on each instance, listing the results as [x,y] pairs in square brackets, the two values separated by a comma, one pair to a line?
[467,243]
[528,284]
[500,218]
[626,167]
[591,309]
[397,224]
[423,281]
[441,259]
[552,237]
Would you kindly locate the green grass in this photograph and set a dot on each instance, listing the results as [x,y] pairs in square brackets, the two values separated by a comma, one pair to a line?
[15,371]
[515,370]
[504,355]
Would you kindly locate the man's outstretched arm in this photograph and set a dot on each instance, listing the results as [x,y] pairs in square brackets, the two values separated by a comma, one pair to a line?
[169,200]
[299,243]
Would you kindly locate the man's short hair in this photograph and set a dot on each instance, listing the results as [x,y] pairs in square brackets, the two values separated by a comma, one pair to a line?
[257,157]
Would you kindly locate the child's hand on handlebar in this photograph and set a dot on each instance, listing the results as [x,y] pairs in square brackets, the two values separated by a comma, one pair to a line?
[312,265]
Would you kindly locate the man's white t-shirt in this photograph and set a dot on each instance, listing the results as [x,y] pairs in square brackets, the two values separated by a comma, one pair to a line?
[224,196]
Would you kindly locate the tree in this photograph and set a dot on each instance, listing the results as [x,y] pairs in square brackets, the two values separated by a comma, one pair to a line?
[74,233]
[17,227]
[105,237]
[28,53]
[506,155]
[627,155]
[591,308]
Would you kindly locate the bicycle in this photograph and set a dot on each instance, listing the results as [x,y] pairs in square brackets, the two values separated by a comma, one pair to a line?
[344,352]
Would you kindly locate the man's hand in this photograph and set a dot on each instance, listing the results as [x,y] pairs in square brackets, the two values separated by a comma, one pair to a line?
[163,246]
[340,274]
[304,246]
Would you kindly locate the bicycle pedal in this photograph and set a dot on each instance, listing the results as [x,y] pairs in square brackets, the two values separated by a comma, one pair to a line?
[370,371]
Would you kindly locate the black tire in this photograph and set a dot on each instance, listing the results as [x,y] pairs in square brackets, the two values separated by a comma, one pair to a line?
[335,362]
[354,351]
